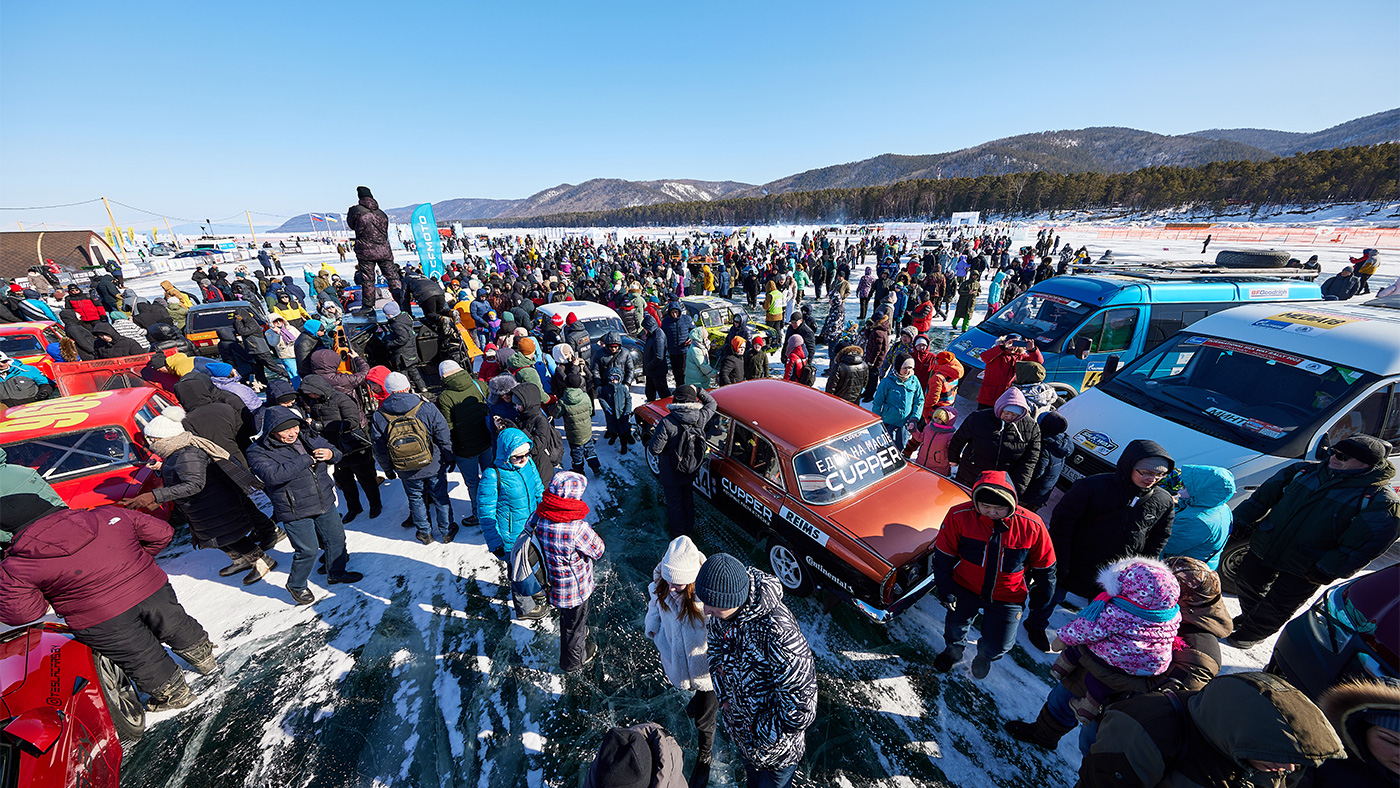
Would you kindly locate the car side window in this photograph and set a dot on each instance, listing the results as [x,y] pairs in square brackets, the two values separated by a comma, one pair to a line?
[718,433]
[741,446]
[1378,414]
[765,462]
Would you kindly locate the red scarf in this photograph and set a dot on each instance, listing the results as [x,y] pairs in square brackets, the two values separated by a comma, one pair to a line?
[557,509]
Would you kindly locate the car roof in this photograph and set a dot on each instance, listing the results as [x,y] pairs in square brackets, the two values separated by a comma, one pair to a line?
[210,306]
[1352,335]
[707,302]
[1109,289]
[583,309]
[27,325]
[795,415]
[71,414]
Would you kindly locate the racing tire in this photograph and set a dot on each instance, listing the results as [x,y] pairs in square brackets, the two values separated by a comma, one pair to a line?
[1243,258]
[787,566]
[123,704]
[1230,558]
[1065,391]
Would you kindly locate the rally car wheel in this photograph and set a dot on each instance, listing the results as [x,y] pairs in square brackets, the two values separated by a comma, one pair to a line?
[128,715]
[1230,559]
[653,462]
[788,568]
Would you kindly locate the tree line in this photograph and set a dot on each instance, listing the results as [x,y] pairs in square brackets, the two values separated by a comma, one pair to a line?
[1323,176]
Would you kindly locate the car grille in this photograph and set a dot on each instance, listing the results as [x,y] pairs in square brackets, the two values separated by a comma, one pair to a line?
[1081,464]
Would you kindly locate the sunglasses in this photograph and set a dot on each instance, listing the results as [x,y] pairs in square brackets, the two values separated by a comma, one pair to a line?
[1341,455]
[519,459]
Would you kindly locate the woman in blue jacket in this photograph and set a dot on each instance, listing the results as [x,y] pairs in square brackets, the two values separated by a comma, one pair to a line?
[510,491]
[899,398]
[1203,517]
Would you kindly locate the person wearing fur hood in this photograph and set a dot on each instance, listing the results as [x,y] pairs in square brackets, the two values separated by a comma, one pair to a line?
[676,621]
[1366,716]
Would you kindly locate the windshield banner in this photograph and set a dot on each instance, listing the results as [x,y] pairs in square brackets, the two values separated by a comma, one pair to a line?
[1267,354]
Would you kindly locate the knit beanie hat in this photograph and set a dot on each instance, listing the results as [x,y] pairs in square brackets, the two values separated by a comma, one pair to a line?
[557,319]
[911,331]
[686,393]
[1052,424]
[448,367]
[737,343]
[526,346]
[179,363]
[395,382]
[625,760]
[1365,448]
[167,425]
[392,309]
[1029,372]
[571,319]
[682,561]
[1388,718]
[723,582]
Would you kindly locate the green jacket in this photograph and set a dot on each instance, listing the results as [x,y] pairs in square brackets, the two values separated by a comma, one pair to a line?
[24,497]
[578,416]
[525,372]
[1308,520]
[463,404]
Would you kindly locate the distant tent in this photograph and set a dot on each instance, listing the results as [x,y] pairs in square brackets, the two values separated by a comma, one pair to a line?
[72,250]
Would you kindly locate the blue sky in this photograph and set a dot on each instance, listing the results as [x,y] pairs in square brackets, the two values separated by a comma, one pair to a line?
[202,110]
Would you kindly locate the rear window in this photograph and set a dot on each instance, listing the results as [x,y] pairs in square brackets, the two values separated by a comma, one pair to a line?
[598,326]
[20,345]
[843,466]
[76,454]
[209,320]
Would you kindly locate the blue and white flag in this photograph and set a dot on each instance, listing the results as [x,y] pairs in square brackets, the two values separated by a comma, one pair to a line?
[425,237]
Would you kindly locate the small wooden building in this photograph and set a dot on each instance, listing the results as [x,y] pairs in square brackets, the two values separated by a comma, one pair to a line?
[72,250]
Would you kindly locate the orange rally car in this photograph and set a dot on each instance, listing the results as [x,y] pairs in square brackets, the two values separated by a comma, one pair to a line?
[26,341]
[821,481]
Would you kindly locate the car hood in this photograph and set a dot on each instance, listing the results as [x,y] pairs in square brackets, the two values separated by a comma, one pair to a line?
[1373,596]
[898,517]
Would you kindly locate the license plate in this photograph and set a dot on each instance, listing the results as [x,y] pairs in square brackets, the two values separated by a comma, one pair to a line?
[1071,474]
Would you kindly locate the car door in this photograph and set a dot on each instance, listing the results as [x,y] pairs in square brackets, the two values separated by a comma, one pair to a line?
[752,480]
[1376,412]
[1111,332]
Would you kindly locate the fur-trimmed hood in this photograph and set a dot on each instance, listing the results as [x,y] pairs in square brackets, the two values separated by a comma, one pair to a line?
[1146,582]
[1344,705]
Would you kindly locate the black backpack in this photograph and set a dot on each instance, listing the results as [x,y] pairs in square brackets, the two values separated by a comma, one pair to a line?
[690,449]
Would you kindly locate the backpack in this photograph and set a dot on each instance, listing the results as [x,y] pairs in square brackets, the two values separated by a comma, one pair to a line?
[529,581]
[18,390]
[690,449]
[409,446]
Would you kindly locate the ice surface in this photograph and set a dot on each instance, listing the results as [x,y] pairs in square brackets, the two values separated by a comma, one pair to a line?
[417,675]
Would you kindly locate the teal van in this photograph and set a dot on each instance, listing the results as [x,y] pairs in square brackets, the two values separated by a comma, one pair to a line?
[1077,322]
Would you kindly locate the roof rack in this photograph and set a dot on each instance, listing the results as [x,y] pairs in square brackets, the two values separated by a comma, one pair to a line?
[1168,272]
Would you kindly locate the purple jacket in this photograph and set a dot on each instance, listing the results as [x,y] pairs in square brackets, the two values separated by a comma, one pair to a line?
[91,565]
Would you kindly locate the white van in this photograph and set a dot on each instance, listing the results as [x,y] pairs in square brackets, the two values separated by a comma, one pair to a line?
[1249,389]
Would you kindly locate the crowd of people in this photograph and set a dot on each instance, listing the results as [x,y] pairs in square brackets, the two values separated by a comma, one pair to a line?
[289,424]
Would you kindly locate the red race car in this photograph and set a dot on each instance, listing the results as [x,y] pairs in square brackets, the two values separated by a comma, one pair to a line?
[26,341]
[65,711]
[822,482]
[88,446]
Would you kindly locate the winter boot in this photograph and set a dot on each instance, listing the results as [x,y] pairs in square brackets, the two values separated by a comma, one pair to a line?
[260,566]
[700,775]
[173,694]
[1037,636]
[1045,732]
[200,656]
[946,659]
[595,465]
[241,563]
[272,539]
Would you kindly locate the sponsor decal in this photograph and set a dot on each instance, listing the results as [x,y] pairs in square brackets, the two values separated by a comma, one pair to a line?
[746,499]
[55,414]
[817,535]
[838,581]
[1266,293]
[1057,299]
[1096,442]
[1324,321]
[1253,425]
[55,698]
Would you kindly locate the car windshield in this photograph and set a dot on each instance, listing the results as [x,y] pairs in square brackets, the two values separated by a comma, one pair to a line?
[20,345]
[1249,395]
[1044,317]
[846,465]
[598,326]
[76,454]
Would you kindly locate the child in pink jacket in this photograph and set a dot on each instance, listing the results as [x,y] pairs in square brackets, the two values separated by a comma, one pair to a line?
[931,442]
[1132,625]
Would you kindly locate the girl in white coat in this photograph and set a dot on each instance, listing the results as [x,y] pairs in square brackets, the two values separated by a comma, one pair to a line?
[676,621]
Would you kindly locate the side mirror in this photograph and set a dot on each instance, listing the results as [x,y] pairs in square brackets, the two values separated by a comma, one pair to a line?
[1324,447]
[1110,366]
[1080,348]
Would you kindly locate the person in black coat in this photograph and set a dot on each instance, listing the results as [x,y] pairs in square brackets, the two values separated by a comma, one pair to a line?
[427,292]
[402,341]
[731,362]
[214,414]
[292,463]
[1342,286]
[578,337]
[546,445]
[371,228]
[612,369]
[1107,516]
[149,313]
[1003,438]
[265,365]
[654,360]
[339,419]
[109,343]
[848,375]
[164,336]
[799,326]
[677,324]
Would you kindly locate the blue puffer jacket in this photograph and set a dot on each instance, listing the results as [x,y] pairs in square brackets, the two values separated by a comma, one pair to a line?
[677,328]
[1054,450]
[896,400]
[298,485]
[1203,516]
[508,493]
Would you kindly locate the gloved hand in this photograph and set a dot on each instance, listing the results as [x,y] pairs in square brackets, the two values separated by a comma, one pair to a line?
[146,500]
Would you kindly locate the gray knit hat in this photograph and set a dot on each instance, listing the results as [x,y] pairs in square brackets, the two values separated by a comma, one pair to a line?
[723,582]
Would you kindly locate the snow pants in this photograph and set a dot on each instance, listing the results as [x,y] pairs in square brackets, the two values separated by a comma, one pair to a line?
[134,639]
[1268,598]
[573,636]
[368,278]
[679,489]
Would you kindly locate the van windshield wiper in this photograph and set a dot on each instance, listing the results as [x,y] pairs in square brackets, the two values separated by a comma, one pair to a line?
[1248,437]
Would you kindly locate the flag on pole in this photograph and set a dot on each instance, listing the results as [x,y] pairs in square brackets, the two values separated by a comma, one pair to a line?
[425,237]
